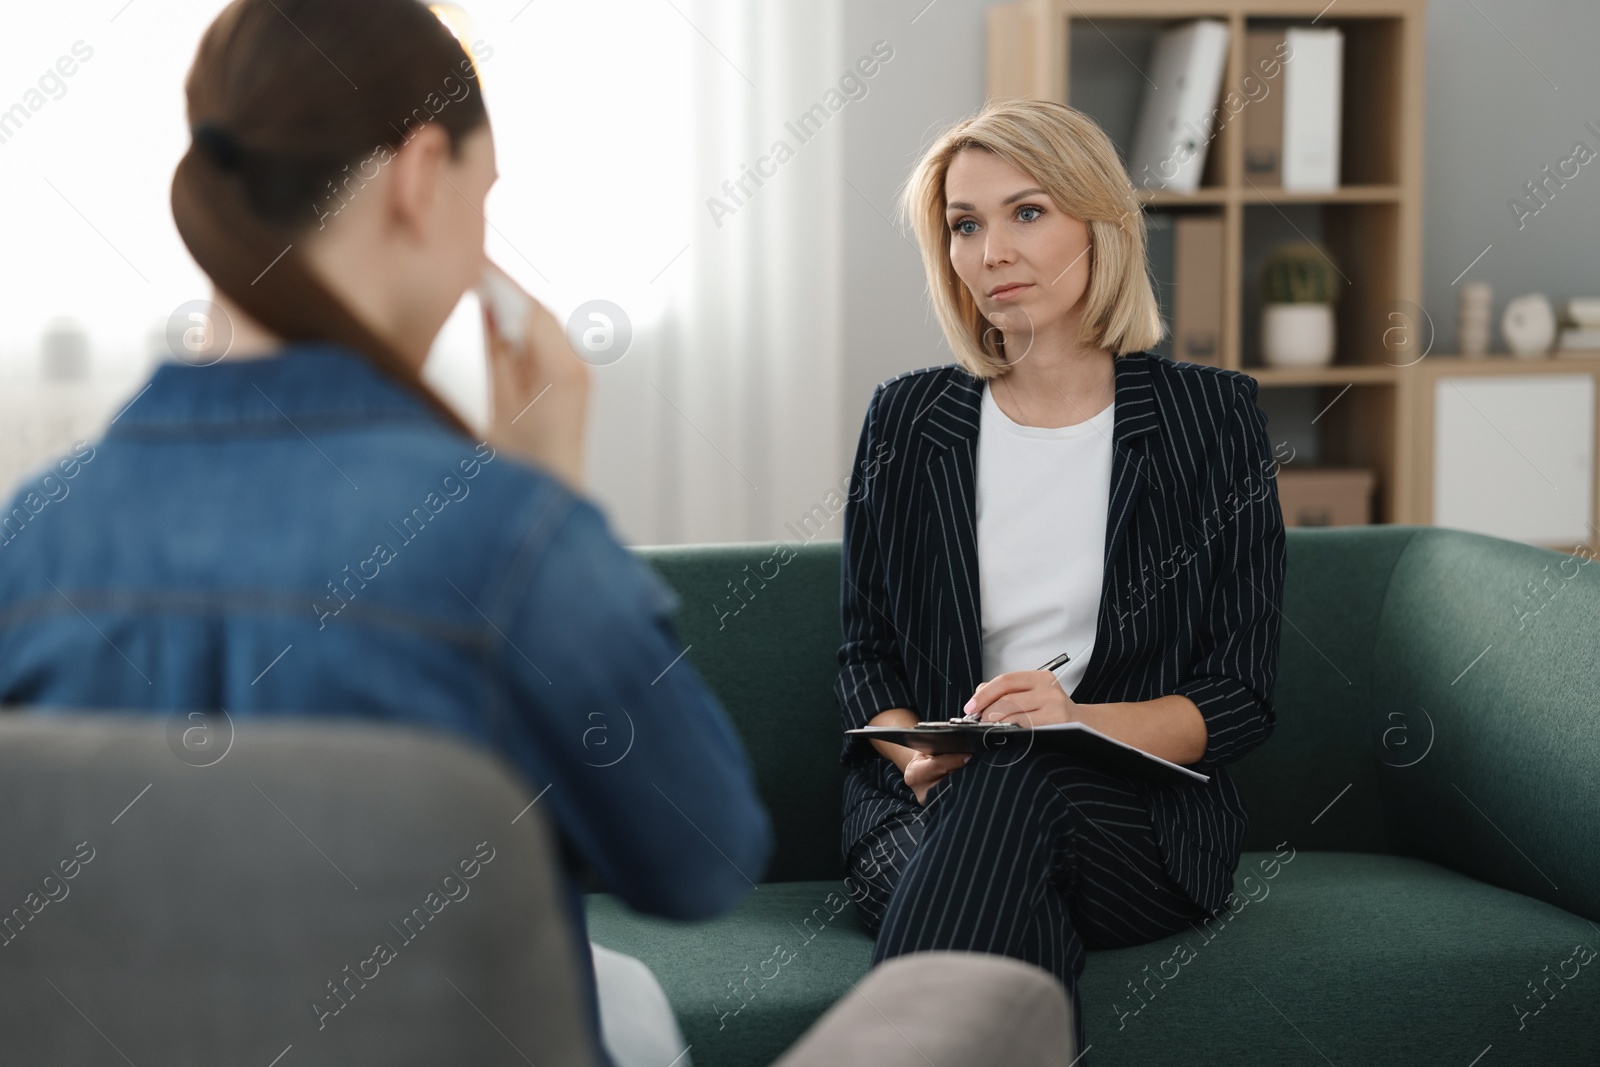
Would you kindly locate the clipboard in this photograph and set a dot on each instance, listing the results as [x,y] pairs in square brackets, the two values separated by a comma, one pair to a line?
[1007,741]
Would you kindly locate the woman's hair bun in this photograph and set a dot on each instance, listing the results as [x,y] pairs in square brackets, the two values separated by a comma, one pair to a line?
[219,144]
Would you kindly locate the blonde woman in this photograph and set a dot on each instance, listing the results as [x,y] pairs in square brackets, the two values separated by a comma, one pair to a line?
[1058,489]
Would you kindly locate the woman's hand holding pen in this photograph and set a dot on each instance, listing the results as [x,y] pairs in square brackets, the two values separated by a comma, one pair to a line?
[1026,698]
[539,395]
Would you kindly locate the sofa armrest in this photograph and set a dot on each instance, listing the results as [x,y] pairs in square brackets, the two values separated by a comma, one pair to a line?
[1486,685]
[944,1007]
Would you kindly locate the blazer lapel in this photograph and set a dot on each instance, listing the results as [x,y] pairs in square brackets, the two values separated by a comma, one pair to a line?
[1135,416]
[950,486]
[1130,475]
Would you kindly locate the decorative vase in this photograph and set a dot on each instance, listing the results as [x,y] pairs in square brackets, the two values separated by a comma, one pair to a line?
[1529,326]
[1297,335]
[1474,306]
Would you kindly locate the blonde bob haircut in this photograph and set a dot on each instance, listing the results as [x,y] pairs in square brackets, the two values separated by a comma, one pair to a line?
[1072,160]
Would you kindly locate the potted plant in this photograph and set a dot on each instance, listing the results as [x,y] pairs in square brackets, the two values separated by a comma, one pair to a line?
[1297,290]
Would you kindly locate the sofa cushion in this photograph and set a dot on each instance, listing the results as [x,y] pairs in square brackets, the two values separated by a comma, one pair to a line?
[1358,958]
[1433,967]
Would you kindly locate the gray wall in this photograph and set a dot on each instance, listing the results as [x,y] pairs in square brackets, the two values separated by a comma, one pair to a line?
[1492,121]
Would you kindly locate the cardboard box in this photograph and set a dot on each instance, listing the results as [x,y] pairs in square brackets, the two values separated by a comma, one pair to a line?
[1325,496]
[1197,289]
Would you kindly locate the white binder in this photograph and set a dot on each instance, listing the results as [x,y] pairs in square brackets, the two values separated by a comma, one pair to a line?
[1176,122]
[1312,83]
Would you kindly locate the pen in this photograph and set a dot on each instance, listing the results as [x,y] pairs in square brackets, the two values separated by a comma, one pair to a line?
[1051,666]
[1057,662]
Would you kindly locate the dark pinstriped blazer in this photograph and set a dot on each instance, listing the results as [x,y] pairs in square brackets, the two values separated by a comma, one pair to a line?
[1190,601]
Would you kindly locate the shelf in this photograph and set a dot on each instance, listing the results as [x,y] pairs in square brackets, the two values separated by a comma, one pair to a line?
[1346,194]
[1502,363]
[1205,197]
[1298,10]
[1373,374]
[1359,239]
[1388,374]
[1215,196]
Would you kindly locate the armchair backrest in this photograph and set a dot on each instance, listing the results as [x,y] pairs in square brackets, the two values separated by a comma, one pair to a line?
[362,893]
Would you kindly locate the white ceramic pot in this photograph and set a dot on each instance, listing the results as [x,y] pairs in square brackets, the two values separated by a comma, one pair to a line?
[1529,326]
[1297,335]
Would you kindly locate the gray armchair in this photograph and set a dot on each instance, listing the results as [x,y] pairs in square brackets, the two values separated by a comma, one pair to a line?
[292,893]
[187,913]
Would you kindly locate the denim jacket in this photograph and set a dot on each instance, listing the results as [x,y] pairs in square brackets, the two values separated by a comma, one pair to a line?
[299,535]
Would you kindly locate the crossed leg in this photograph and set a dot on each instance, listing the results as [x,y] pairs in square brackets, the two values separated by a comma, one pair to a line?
[1033,858]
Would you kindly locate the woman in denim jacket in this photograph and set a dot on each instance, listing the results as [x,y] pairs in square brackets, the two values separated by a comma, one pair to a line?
[289,522]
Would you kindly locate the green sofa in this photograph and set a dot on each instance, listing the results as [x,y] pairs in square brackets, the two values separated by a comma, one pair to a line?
[1424,850]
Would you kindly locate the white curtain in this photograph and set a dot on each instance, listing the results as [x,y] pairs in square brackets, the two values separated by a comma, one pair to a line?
[615,122]
[617,126]
[740,394]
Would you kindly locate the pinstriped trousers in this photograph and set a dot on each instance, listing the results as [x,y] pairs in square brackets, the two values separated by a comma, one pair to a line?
[1034,858]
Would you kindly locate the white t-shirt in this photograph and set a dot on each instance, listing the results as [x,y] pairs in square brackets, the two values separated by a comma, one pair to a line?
[1042,495]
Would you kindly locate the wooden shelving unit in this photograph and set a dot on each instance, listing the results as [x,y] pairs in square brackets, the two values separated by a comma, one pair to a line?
[1371,225]
[1380,403]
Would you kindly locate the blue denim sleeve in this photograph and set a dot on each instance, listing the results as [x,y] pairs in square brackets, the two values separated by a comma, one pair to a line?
[646,776]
